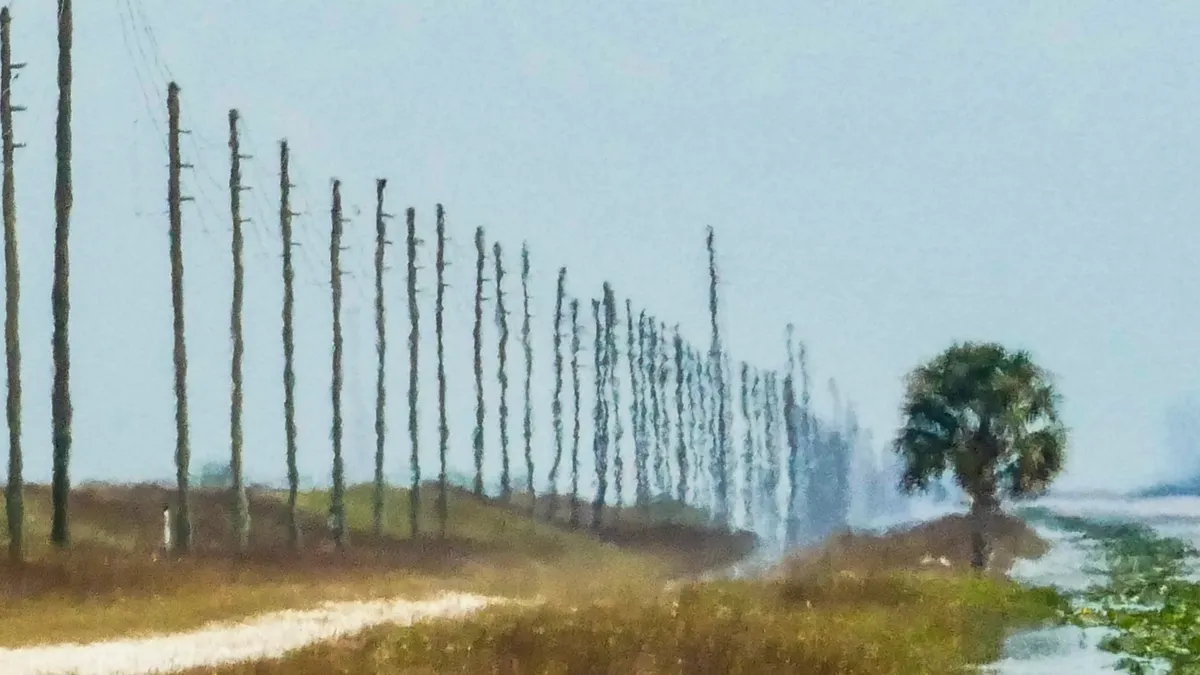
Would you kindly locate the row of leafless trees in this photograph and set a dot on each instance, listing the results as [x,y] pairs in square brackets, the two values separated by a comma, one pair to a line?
[680,415]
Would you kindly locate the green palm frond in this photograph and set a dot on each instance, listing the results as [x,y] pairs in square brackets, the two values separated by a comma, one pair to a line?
[987,414]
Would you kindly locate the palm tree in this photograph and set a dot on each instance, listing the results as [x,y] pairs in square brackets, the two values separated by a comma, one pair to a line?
[991,417]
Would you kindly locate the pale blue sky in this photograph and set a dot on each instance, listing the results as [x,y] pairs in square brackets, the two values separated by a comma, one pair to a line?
[889,176]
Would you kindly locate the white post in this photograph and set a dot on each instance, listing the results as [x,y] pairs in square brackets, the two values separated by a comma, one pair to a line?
[166,529]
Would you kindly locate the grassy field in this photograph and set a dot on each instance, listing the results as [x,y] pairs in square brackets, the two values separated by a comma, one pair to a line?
[858,605]
[112,583]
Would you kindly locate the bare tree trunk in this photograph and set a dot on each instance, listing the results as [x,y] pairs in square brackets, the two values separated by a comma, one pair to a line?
[183,521]
[60,296]
[381,242]
[289,347]
[14,499]
[337,505]
[240,507]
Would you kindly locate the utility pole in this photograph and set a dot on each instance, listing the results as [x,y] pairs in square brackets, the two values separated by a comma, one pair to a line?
[289,345]
[443,506]
[183,523]
[381,243]
[240,507]
[60,300]
[414,341]
[718,365]
[337,506]
[527,348]
[502,374]
[14,493]
[480,418]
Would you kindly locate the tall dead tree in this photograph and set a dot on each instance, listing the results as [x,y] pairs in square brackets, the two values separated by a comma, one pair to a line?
[14,500]
[556,409]
[527,347]
[182,537]
[240,511]
[477,438]
[60,300]
[443,505]
[717,356]
[381,243]
[289,346]
[502,374]
[575,391]
[414,354]
[337,503]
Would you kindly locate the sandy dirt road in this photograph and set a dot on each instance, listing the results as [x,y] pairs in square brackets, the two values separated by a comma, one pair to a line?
[265,636]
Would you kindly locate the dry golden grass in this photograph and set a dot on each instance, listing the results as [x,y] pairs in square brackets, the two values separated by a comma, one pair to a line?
[109,583]
[839,610]
[904,623]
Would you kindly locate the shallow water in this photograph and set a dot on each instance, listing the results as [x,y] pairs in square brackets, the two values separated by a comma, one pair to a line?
[1072,651]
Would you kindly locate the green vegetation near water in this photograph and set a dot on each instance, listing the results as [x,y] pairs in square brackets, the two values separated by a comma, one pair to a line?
[1151,609]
